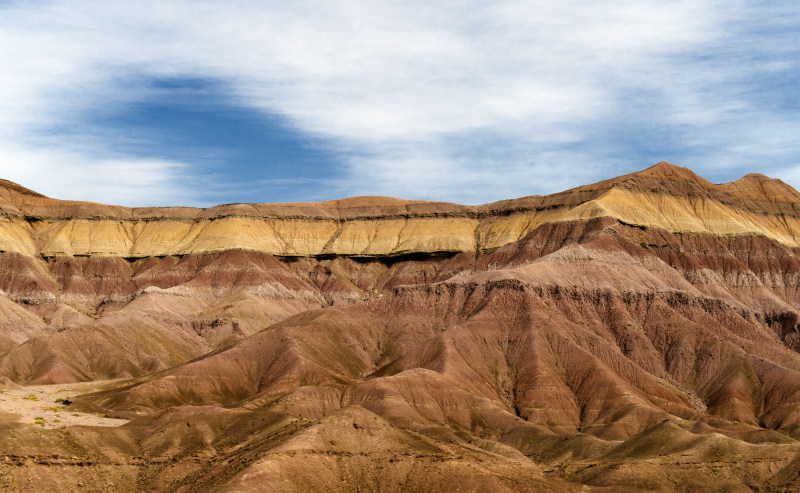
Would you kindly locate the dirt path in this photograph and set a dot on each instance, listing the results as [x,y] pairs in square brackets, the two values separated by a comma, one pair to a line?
[43,405]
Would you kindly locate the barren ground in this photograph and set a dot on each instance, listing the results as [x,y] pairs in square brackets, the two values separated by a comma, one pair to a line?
[44,405]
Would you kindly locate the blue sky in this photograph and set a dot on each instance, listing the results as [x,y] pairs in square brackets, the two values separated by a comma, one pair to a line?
[201,103]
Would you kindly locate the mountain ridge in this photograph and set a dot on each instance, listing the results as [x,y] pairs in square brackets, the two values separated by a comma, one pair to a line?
[637,334]
[663,196]
[659,171]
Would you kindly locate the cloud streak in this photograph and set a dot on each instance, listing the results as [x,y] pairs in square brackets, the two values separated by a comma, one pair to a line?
[462,101]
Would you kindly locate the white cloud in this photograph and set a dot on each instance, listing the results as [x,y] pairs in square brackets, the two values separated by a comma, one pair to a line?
[409,90]
[67,175]
[466,179]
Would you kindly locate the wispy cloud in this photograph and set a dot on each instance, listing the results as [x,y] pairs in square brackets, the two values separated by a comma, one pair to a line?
[134,182]
[463,101]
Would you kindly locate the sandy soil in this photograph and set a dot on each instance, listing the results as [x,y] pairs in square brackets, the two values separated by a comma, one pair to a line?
[43,405]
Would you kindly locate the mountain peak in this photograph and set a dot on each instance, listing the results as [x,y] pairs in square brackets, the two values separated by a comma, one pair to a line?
[671,172]
[10,185]
[757,186]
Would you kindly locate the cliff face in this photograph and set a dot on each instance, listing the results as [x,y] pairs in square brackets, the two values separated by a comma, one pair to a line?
[664,196]
[641,331]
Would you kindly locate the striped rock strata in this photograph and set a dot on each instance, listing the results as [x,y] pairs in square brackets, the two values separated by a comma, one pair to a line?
[664,196]
[637,334]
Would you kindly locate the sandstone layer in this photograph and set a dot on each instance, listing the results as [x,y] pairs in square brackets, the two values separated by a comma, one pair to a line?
[636,334]
[664,196]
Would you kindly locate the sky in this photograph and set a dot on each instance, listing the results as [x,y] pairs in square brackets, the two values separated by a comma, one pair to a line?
[199,103]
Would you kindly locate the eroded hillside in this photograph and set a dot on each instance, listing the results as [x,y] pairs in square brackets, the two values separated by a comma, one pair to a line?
[639,333]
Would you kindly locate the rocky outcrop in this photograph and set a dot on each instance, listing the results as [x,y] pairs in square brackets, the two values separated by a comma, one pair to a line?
[641,333]
[664,196]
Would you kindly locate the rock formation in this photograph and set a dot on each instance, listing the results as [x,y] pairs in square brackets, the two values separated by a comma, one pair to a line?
[640,333]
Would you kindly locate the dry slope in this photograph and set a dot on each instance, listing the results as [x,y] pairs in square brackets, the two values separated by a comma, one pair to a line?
[639,333]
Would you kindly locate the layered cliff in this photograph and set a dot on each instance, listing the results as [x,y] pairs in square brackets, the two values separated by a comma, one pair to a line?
[641,333]
[664,196]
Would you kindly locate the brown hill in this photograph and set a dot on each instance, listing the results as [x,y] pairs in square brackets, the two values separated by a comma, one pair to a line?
[639,333]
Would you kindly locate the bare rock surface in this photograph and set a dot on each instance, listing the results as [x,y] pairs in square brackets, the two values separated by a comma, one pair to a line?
[637,334]
[49,406]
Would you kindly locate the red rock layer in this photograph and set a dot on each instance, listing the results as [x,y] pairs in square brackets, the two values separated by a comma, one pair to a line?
[607,344]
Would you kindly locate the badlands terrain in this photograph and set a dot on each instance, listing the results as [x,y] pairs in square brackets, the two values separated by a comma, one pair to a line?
[637,334]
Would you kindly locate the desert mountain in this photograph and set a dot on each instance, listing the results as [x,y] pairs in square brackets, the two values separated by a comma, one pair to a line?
[639,333]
